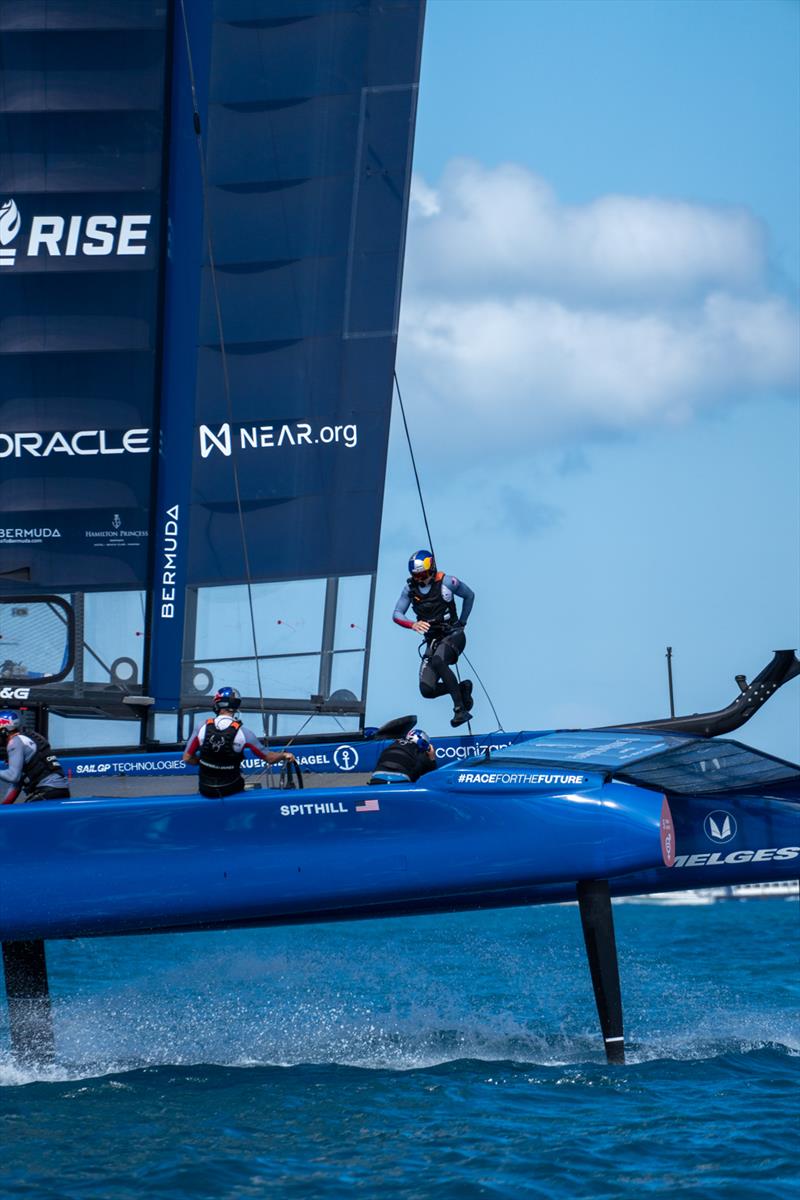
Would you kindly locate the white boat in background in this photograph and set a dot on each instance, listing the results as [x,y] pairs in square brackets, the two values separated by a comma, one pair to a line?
[787,889]
[783,889]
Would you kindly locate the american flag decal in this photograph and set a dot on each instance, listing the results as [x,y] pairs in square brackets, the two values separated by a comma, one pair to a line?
[368,806]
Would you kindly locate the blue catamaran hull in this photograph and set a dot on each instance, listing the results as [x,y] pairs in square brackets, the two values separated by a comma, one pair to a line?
[110,866]
[471,838]
[581,815]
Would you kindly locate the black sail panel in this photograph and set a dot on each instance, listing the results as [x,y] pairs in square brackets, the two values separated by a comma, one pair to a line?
[202,227]
[288,206]
[81,134]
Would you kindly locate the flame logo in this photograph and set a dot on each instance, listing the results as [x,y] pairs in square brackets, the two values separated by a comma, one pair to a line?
[10,222]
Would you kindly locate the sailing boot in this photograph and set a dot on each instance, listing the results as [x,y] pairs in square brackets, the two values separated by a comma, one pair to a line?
[460,715]
[466,694]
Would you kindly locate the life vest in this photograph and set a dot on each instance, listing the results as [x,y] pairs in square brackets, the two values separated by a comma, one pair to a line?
[43,763]
[219,762]
[405,757]
[433,607]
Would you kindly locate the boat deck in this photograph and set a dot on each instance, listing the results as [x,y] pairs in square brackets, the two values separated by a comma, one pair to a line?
[186,785]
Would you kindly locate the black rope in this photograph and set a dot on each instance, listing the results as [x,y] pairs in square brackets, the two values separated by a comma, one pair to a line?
[414,465]
[223,358]
[486,694]
[430,543]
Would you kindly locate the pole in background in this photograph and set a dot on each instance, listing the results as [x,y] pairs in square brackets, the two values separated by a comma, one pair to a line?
[669,678]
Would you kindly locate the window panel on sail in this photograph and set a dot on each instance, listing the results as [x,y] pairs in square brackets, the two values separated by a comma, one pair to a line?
[113,624]
[352,612]
[287,725]
[36,639]
[293,678]
[288,619]
[85,733]
[347,676]
[166,729]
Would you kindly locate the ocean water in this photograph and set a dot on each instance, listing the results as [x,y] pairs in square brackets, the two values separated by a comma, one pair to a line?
[450,1056]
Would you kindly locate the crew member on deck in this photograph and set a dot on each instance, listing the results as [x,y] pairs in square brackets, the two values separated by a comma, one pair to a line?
[406,759]
[431,594]
[218,745]
[33,770]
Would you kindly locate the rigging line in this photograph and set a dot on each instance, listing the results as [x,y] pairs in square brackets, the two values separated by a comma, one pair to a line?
[414,464]
[469,721]
[223,356]
[488,697]
[430,541]
[296,735]
[268,766]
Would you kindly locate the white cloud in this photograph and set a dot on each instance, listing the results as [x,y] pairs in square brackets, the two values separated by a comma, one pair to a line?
[570,320]
[506,228]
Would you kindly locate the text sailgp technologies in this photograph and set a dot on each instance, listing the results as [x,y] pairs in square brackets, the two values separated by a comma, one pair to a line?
[322,757]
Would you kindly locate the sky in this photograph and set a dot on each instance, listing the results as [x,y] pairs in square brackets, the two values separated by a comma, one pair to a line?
[600,359]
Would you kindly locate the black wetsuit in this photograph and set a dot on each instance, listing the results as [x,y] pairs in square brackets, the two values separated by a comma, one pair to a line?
[445,640]
[404,757]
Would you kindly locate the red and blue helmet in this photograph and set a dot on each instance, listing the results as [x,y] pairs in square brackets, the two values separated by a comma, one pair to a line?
[421,740]
[227,698]
[10,721]
[422,566]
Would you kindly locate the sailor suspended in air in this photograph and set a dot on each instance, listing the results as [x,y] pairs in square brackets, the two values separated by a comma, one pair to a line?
[218,745]
[33,771]
[431,594]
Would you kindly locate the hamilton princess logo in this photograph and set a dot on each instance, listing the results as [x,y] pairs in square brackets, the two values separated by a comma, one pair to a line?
[720,826]
[116,536]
